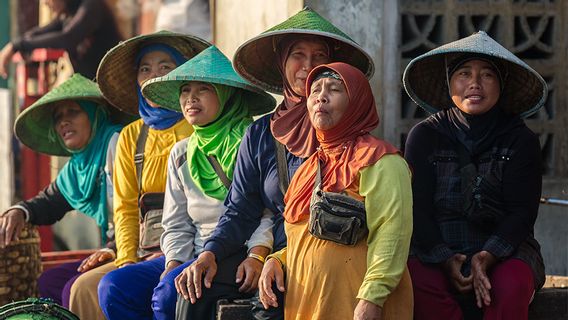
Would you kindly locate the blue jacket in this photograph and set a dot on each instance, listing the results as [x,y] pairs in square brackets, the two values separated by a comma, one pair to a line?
[254,187]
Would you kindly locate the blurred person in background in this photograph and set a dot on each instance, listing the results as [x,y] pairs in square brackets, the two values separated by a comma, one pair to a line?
[84,28]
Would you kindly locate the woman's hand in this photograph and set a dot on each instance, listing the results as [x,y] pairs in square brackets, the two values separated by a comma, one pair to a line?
[366,310]
[11,224]
[96,259]
[5,57]
[250,269]
[453,271]
[172,264]
[271,272]
[481,262]
[188,282]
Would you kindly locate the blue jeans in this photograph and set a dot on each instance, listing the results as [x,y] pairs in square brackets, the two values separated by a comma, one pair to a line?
[136,292]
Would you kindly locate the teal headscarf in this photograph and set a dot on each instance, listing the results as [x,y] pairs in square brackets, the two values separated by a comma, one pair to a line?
[82,180]
[221,138]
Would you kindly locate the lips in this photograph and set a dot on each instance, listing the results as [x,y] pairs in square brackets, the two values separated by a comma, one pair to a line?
[191,110]
[474,97]
[67,134]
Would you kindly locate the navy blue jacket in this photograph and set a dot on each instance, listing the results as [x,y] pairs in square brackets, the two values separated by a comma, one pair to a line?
[254,187]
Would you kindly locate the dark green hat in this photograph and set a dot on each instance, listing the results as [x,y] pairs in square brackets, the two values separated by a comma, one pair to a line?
[210,66]
[35,308]
[33,124]
[425,77]
[256,59]
[117,74]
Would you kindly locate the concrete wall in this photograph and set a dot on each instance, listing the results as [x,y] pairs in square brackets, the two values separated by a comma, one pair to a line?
[365,22]
[551,228]
[234,22]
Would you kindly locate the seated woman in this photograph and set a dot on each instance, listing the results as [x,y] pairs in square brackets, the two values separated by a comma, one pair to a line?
[85,28]
[219,105]
[351,267]
[120,76]
[70,120]
[477,180]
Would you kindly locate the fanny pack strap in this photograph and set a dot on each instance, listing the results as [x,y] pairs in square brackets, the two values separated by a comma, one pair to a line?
[219,171]
[317,183]
[282,166]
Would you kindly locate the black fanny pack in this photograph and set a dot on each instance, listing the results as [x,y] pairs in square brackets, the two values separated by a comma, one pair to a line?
[336,217]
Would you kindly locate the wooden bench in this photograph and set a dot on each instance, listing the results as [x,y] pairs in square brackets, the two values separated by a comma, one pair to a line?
[55,258]
[550,303]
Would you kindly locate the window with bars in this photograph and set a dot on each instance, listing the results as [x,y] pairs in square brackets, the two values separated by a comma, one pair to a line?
[534,30]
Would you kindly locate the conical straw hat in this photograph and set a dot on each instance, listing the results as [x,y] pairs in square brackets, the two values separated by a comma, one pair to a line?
[117,74]
[524,90]
[34,123]
[210,66]
[255,60]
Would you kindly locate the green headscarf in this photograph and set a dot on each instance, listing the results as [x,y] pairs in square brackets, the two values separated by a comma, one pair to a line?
[221,139]
[82,180]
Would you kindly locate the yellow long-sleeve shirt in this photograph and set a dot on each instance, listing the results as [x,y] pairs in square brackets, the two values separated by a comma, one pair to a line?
[125,182]
[325,279]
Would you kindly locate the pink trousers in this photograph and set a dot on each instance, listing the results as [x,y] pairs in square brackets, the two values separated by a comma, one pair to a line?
[434,297]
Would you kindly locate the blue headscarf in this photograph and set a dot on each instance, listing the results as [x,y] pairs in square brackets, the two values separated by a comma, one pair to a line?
[82,180]
[158,118]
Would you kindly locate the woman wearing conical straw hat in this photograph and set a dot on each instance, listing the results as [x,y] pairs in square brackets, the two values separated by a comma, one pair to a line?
[279,61]
[71,120]
[219,105]
[477,180]
[120,76]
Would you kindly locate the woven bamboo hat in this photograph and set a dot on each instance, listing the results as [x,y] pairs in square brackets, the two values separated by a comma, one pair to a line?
[33,124]
[210,66]
[117,74]
[255,60]
[425,77]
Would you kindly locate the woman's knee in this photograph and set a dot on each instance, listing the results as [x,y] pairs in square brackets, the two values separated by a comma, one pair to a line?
[512,278]
[108,287]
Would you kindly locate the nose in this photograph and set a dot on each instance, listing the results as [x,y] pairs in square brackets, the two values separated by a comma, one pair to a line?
[322,97]
[308,64]
[475,81]
[191,97]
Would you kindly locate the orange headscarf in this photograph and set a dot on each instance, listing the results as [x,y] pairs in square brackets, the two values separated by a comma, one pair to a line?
[344,149]
[290,123]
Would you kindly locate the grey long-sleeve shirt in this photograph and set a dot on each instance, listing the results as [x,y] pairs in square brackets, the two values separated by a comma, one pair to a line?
[189,216]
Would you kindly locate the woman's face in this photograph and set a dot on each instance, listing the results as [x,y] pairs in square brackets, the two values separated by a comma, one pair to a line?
[327,103]
[303,57]
[154,64]
[56,6]
[199,103]
[475,87]
[72,125]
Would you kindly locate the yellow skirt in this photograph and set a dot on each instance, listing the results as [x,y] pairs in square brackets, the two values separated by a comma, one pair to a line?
[323,279]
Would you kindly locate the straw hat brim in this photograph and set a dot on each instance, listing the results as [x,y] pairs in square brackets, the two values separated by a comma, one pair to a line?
[33,124]
[165,92]
[256,60]
[424,79]
[117,75]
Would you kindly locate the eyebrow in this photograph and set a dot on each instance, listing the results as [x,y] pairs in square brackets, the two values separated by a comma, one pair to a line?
[299,47]
[144,63]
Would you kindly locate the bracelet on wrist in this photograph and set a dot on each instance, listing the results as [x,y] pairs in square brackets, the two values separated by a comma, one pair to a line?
[257,257]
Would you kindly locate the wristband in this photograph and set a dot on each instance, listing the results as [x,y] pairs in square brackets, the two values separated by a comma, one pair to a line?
[257,257]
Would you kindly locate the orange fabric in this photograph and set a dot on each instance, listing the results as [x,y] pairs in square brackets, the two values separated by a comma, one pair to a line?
[290,123]
[344,149]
